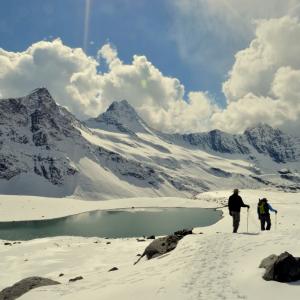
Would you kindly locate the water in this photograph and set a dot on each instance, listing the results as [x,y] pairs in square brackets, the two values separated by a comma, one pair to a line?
[112,223]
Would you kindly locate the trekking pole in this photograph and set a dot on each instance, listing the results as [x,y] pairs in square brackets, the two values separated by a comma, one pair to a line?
[247,218]
[276,221]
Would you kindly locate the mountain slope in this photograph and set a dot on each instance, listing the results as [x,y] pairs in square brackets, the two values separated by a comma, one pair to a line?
[45,150]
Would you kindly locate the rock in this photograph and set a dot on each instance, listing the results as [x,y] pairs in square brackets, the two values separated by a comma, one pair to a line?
[75,279]
[151,237]
[163,245]
[113,269]
[268,261]
[268,264]
[286,268]
[7,244]
[61,274]
[108,243]
[183,232]
[25,285]
[141,240]
[282,268]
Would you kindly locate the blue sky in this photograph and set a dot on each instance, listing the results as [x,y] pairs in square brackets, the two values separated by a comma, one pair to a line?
[133,27]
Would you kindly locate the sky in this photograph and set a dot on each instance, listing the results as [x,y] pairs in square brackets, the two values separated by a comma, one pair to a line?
[185,65]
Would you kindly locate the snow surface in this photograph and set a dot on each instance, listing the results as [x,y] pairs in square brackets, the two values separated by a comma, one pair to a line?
[214,265]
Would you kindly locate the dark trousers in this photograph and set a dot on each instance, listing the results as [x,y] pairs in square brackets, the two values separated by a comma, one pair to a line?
[265,220]
[235,220]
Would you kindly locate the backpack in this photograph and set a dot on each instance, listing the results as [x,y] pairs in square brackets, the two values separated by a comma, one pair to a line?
[262,207]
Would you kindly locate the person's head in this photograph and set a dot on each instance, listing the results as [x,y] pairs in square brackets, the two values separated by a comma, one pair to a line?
[264,200]
[236,191]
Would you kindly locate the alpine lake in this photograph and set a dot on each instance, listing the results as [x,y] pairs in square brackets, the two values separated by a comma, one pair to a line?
[135,222]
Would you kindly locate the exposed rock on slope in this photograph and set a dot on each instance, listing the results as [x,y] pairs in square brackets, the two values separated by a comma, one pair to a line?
[23,286]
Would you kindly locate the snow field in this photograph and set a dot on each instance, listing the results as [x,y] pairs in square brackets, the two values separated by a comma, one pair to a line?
[214,265]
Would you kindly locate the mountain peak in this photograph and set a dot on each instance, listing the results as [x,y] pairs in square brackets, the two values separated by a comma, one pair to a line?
[120,116]
[260,127]
[122,108]
[40,91]
[39,98]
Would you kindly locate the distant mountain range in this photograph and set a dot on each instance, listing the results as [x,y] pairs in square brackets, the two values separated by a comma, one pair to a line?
[45,150]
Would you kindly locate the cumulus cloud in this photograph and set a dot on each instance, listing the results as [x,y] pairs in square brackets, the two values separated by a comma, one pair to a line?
[74,81]
[213,31]
[68,73]
[109,54]
[274,46]
[159,99]
[264,81]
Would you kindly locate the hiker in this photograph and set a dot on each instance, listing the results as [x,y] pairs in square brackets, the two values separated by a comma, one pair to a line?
[263,211]
[235,203]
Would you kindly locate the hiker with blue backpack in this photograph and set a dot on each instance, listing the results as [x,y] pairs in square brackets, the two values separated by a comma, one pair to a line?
[263,211]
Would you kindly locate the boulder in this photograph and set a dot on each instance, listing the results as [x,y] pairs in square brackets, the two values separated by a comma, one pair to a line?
[163,245]
[25,285]
[183,232]
[75,279]
[282,268]
[268,261]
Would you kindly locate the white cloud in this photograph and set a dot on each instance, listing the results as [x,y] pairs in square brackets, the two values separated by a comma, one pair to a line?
[68,73]
[208,32]
[263,84]
[158,98]
[74,81]
[275,45]
[110,55]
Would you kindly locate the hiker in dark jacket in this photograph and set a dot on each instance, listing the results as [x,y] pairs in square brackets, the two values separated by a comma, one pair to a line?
[263,211]
[235,203]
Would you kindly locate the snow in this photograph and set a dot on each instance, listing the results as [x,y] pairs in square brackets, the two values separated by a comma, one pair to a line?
[54,166]
[46,151]
[214,265]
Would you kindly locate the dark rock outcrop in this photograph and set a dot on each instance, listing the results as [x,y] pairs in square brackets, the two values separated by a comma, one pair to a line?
[75,279]
[113,269]
[164,245]
[282,268]
[272,142]
[25,285]
[151,237]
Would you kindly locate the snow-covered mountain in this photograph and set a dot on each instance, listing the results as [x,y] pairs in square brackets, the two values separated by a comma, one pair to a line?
[120,117]
[261,139]
[45,150]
